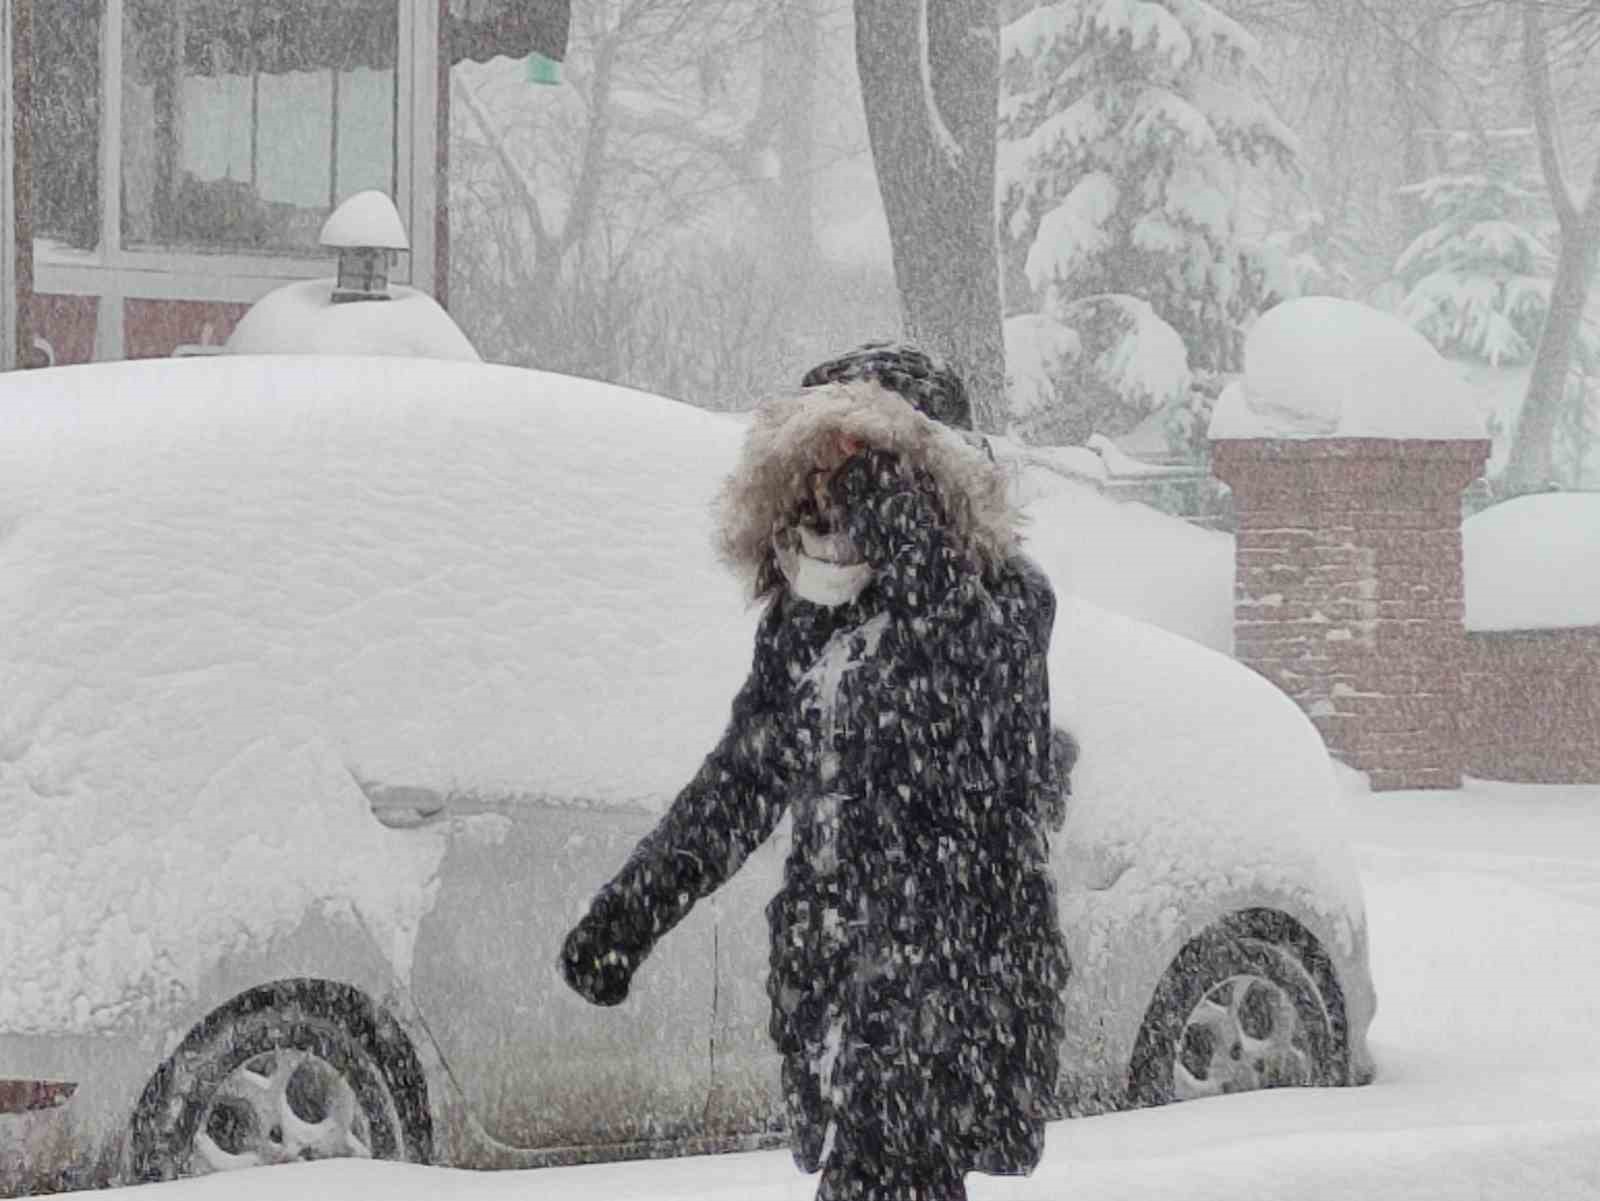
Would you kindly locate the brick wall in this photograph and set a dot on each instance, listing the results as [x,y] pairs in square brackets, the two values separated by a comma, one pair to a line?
[1531,707]
[1348,591]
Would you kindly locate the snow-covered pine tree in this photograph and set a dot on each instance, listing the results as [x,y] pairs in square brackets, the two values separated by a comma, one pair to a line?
[1478,279]
[1129,130]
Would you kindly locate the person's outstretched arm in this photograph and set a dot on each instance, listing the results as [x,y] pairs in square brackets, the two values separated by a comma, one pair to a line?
[725,812]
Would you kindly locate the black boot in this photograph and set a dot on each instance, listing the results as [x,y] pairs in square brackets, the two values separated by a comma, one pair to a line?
[858,1180]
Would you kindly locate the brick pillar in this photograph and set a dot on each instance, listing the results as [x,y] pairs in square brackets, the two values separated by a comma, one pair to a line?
[1348,591]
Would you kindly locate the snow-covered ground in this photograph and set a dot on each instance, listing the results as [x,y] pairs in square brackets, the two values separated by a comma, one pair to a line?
[1485,918]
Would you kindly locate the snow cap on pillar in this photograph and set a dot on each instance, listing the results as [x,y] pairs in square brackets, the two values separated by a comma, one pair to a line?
[1320,367]
[366,231]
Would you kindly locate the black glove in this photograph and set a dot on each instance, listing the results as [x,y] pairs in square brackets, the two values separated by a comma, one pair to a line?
[593,966]
[870,491]
[895,519]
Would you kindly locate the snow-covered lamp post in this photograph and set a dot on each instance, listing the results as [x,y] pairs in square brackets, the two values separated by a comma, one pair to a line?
[313,316]
[367,233]
[1348,444]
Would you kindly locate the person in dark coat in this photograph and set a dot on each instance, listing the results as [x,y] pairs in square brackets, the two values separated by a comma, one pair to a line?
[898,707]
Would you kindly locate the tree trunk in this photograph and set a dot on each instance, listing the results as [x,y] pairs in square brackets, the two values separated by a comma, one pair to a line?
[1417,83]
[798,136]
[1531,465]
[785,125]
[930,85]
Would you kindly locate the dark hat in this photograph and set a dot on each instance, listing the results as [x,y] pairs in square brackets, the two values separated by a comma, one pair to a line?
[931,386]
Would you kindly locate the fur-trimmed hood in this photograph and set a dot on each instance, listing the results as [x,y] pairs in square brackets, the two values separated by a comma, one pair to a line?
[787,436]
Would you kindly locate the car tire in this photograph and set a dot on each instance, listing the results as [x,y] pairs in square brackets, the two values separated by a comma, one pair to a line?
[1235,1013]
[284,1075]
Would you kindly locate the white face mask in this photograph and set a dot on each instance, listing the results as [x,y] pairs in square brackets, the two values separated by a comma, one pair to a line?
[824,569]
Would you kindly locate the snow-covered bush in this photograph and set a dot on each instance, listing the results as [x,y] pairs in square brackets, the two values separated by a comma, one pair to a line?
[1478,279]
[1100,365]
[1127,129]
[1038,349]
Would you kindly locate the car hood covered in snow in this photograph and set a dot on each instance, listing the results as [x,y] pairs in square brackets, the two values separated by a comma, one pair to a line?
[238,595]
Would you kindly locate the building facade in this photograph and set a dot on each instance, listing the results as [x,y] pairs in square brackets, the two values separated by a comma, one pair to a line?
[167,162]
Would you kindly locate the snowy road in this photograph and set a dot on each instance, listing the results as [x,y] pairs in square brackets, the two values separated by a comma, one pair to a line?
[1485,917]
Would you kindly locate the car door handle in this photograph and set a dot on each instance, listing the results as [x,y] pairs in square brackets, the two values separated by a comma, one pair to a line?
[407,817]
[401,807]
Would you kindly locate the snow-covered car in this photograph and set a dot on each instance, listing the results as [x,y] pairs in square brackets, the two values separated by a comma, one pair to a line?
[334,687]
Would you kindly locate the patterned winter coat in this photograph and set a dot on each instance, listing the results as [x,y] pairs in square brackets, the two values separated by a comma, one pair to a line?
[901,715]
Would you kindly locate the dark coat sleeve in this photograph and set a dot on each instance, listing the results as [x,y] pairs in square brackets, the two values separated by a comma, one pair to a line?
[1055,750]
[724,813]
[895,519]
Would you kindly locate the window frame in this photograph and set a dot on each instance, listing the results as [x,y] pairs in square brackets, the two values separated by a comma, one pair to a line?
[8,215]
[114,273]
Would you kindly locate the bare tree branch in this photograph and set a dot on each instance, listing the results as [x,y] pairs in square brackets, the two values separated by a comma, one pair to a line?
[496,143]
[1536,66]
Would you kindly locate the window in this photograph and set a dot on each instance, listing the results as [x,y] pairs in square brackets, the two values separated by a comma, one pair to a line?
[237,124]
[66,123]
[246,121]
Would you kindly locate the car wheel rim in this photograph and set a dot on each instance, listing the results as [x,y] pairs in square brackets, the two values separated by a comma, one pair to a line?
[278,1107]
[1244,1034]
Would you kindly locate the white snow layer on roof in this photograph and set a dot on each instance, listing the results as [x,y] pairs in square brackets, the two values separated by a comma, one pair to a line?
[301,318]
[1320,367]
[234,590]
[1533,563]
